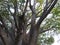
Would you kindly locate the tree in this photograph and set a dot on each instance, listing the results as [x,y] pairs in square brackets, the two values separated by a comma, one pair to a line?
[18,24]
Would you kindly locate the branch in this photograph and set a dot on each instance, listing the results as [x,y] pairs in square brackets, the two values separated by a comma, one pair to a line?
[2,38]
[38,12]
[4,26]
[21,23]
[14,15]
[9,9]
[33,12]
[15,20]
[42,31]
[32,33]
[45,13]
[25,8]
[1,19]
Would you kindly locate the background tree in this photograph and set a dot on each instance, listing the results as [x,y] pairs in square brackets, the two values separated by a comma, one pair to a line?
[19,24]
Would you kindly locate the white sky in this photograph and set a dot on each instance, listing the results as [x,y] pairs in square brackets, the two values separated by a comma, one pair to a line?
[57,40]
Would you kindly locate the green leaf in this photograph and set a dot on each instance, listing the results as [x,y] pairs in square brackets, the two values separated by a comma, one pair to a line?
[50,40]
[40,1]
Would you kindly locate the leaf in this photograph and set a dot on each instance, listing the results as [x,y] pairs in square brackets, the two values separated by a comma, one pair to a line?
[50,40]
[40,1]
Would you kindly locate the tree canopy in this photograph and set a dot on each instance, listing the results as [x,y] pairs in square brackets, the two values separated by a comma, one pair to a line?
[26,22]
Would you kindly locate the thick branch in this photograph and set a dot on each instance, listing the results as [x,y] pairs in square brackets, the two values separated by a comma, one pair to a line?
[45,13]
[1,19]
[2,36]
[4,26]
[2,39]
[33,32]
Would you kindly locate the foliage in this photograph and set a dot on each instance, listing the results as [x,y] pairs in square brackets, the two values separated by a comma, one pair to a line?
[40,1]
[19,25]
